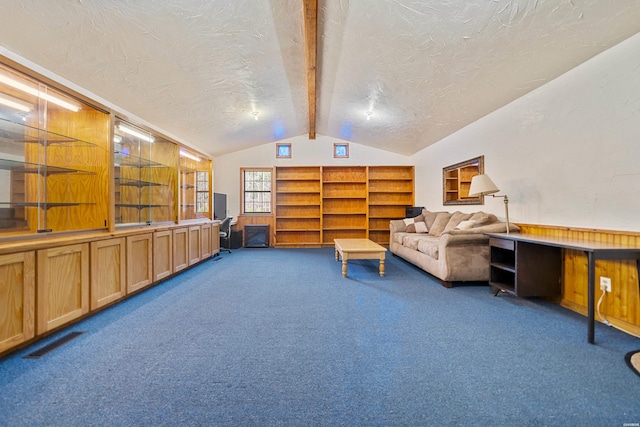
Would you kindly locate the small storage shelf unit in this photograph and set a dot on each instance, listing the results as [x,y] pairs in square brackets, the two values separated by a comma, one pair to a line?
[344,203]
[391,191]
[53,159]
[194,183]
[298,204]
[317,204]
[457,182]
[524,269]
[145,175]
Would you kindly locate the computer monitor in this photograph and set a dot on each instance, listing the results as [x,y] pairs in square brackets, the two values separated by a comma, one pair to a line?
[219,206]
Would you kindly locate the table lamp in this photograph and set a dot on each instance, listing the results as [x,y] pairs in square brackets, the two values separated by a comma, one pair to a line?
[481,185]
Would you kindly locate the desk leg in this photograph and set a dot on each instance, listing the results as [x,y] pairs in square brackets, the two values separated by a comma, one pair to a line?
[592,296]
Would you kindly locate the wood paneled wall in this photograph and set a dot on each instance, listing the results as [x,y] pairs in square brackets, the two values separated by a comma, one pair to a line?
[256,219]
[621,306]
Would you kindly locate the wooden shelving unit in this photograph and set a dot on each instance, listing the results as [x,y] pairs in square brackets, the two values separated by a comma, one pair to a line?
[298,206]
[145,176]
[516,268]
[391,191]
[315,205]
[456,181]
[344,203]
[194,186]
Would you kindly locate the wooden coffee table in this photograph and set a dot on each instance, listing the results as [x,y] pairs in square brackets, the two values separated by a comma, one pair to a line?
[359,249]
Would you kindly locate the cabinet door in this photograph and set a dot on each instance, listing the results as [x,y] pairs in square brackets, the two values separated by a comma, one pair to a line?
[162,254]
[108,274]
[205,236]
[180,249]
[215,238]
[17,299]
[195,244]
[139,261]
[62,285]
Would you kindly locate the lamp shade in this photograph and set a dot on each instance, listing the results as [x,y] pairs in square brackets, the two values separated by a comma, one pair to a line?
[482,185]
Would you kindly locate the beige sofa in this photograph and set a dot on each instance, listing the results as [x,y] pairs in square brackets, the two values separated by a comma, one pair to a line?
[450,246]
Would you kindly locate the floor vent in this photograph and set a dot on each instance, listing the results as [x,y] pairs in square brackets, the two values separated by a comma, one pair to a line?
[53,345]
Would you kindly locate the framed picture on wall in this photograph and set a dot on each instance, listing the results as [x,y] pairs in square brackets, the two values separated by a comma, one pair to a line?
[283,151]
[340,150]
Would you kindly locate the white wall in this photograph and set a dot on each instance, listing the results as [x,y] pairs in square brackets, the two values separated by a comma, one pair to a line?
[565,154]
[305,152]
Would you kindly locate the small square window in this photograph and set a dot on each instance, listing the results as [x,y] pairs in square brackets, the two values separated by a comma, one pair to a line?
[283,151]
[340,150]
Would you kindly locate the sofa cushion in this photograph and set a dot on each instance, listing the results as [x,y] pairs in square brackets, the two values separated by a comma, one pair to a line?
[483,218]
[429,217]
[442,218]
[456,218]
[428,247]
[397,237]
[410,241]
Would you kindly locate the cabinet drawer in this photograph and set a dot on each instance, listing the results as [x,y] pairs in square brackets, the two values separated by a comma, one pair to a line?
[502,243]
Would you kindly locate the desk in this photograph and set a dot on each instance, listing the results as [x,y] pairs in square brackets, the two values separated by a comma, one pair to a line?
[593,250]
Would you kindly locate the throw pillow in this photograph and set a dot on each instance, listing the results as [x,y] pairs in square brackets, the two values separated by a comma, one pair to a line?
[482,218]
[439,224]
[409,221]
[456,218]
[417,227]
[421,227]
[465,225]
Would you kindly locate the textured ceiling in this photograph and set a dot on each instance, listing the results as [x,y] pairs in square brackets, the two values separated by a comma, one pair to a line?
[199,69]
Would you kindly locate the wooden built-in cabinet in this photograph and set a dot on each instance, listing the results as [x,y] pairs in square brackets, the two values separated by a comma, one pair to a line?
[195,190]
[145,169]
[195,244]
[53,160]
[93,207]
[17,299]
[298,201]
[315,205]
[215,238]
[108,271]
[62,285]
[162,254]
[139,261]
[205,237]
[344,203]
[391,191]
[180,249]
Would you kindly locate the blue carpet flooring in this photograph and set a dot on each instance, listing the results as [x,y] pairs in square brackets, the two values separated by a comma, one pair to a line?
[276,337]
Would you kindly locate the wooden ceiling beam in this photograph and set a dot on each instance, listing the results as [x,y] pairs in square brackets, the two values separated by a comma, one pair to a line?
[311,43]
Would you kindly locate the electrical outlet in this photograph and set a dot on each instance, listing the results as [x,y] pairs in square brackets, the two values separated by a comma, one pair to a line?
[605,283]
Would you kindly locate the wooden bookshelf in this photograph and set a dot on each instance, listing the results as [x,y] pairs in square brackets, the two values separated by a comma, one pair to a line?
[344,203]
[298,206]
[391,191]
[315,205]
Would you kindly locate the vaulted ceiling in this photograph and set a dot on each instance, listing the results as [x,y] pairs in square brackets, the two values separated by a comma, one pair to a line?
[397,75]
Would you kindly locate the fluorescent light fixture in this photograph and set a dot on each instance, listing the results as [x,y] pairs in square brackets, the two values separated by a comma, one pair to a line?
[136,133]
[36,92]
[18,104]
[185,153]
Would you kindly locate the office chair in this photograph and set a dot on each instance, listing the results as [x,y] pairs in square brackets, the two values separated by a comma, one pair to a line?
[225,234]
